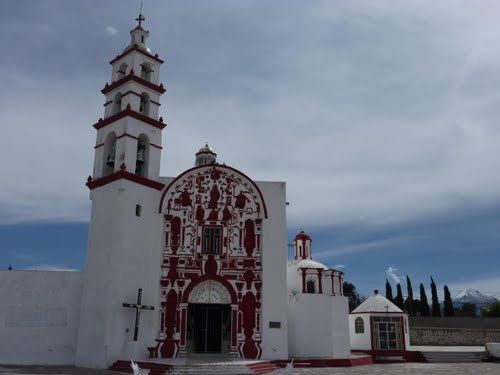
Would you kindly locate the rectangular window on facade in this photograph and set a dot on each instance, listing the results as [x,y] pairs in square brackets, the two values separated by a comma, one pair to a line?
[274,324]
[212,240]
[138,210]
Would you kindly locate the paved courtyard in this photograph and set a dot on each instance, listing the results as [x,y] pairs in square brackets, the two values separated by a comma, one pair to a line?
[386,369]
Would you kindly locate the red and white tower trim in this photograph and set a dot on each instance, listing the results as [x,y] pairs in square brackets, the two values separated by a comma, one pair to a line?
[129,136]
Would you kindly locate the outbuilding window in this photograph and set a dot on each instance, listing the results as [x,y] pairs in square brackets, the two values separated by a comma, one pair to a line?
[359,325]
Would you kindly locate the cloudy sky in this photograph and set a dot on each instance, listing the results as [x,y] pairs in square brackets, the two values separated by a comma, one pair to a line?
[382,117]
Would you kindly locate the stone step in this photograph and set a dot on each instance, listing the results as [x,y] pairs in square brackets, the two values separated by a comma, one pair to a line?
[453,357]
[211,369]
[155,368]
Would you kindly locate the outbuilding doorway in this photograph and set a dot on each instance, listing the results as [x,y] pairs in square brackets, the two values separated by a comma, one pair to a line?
[388,333]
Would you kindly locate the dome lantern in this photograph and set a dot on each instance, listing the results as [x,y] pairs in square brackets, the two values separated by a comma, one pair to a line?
[205,156]
[302,246]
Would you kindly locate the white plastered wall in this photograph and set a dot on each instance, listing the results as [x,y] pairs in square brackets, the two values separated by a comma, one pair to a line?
[360,341]
[318,326]
[274,257]
[124,254]
[39,316]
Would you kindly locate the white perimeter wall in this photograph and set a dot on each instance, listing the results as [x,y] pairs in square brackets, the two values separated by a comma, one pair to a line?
[39,315]
[274,261]
[318,326]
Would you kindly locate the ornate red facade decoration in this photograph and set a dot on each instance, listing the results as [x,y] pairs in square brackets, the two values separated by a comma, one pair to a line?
[216,197]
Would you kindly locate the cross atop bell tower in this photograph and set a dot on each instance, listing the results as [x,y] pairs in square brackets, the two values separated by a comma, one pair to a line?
[141,17]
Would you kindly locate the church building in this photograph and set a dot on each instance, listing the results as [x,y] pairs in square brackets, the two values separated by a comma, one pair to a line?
[198,261]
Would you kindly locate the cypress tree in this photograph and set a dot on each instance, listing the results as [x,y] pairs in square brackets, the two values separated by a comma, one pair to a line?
[388,291]
[409,300]
[436,309]
[399,301]
[10,268]
[424,304]
[448,303]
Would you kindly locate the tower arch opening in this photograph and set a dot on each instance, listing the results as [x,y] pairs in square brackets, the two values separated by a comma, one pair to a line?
[144,104]
[109,154]
[117,103]
[122,71]
[142,157]
[146,71]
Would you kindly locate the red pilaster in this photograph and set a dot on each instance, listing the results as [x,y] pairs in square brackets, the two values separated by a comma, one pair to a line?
[234,327]
[303,279]
[183,326]
[320,281]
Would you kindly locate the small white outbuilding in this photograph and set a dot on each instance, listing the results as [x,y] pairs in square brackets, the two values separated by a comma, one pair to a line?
[379,327]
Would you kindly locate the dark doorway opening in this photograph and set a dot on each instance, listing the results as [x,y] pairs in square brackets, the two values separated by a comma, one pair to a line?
[208,326]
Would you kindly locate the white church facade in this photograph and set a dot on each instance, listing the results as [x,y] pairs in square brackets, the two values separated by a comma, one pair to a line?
[207,249]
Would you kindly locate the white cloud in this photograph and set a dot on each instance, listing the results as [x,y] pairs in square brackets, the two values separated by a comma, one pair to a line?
[338,266]
[391,273]
[375,113]
[366,246]
[48,267]
[111,30]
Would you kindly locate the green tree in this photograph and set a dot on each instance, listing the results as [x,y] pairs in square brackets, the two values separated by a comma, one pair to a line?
[424,304]
[467,309]
[399,300]
[388,291]
[436,309]
[352,295]
[493,310]
[448,303]
[410,303]
[10,268]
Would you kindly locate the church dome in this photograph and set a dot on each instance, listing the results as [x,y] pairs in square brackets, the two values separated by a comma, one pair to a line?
[377,304]
[308,263]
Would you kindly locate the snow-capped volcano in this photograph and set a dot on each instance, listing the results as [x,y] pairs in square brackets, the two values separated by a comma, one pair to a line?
[472,296]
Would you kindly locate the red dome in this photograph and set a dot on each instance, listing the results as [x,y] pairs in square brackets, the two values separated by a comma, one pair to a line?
[302,236]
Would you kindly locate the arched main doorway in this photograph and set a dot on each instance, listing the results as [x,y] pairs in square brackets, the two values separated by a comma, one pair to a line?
[209,319]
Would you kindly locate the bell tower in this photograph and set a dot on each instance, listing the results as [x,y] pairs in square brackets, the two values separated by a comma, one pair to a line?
[129,134]
[125,230]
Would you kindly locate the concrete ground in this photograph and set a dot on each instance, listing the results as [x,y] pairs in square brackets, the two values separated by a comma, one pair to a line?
[379,369]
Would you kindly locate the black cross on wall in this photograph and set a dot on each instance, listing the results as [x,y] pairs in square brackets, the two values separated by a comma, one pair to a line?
[138,307]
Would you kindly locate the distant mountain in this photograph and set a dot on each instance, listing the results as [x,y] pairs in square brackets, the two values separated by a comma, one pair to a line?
[472,296]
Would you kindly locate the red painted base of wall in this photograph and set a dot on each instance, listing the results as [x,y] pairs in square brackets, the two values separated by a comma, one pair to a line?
[327,362]
[406,355]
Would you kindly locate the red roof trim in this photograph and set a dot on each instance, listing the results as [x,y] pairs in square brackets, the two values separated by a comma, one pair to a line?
[135,47]
[92,184]
[378,312]
[132,77]
[302,236]
[214,166]
[128,112]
